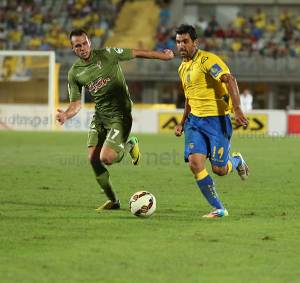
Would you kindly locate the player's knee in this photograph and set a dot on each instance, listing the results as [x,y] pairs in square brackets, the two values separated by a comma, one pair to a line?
[107,160]
[196,167]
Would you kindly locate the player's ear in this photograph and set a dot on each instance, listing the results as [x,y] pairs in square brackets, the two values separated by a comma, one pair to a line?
[196,42]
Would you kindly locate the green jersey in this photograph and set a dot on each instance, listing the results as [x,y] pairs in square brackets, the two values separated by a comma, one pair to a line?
[103,77]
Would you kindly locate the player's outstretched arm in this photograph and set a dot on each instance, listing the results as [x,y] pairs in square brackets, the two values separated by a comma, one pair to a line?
[72,110]
[148,54]
[233,90]
[178,129]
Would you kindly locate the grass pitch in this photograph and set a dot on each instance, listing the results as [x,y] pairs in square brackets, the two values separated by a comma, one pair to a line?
[50,232]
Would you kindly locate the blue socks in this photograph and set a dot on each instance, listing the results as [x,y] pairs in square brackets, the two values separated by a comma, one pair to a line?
[233,163]
[207,187]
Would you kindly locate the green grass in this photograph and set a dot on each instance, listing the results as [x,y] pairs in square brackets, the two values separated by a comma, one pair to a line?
[50,232]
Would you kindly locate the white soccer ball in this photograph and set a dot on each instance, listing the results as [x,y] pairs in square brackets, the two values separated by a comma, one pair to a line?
[142,204]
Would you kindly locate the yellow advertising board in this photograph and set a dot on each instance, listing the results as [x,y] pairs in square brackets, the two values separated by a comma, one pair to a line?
[167,121]
[258,123]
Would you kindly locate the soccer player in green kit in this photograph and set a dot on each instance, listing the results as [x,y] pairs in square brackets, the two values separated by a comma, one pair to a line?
[98,70]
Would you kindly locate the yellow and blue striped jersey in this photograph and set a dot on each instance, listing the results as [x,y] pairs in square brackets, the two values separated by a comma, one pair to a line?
[207,95]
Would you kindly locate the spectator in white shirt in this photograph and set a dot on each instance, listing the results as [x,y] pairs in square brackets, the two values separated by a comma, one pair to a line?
[202,24]
[246,100]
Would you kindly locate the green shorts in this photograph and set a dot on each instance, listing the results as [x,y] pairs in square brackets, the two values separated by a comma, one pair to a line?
[112,131]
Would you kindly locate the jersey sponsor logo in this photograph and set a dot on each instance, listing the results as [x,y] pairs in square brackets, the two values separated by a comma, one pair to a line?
[203,59]
[121,145]
[188,78]
[118,50]
[215,70]
[99,64]
[93,87]
[108,49]
[80,74]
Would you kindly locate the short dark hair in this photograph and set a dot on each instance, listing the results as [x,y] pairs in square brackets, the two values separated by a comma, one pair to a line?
[77,32]
[188,29]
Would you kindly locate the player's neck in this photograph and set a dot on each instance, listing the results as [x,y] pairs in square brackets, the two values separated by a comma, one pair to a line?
[187,59]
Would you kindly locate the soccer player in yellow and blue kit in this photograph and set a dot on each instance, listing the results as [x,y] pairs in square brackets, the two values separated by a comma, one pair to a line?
[211,95]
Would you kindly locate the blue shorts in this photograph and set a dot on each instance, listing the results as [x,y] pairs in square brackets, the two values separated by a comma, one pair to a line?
[210,136]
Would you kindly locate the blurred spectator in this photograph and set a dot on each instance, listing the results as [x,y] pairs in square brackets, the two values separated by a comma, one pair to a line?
[160,46]
[214,44]
[4,36]
[3,4]
[86,10]
[32,28]
[13,19]
[236,45]
[257,45]
[172,31]
[37,16]
[15,36]
[219,32]
[288,34]
[298,21]
[203,44]
[48,17]
[213,23]
[239,20]
[170,44]
[92,18]
[3,16]
[164,15]
[222,55]
[285,19]
[34,43]
[54,28]
[272,26]
[201,24]
[62,40]
[257,32]
[260,19]
[246,100]
[286,51]
[209,32]
[230,31]
[98,30]
[163,29]
[296,49]
[45,46]
[245,31]
[160,36]
[78,23]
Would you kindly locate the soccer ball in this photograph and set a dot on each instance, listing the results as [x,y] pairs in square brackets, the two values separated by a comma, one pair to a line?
[142,204]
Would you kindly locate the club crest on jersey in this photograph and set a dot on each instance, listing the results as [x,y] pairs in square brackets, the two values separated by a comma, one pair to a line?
[203,59]
[215,70]
[93,87]
[188,78]
[118,50]
[99,64]
[191,145]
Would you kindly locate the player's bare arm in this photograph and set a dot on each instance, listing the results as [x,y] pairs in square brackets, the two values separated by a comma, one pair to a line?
[233,90]
[178,129]
[72,110]
[148,54]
